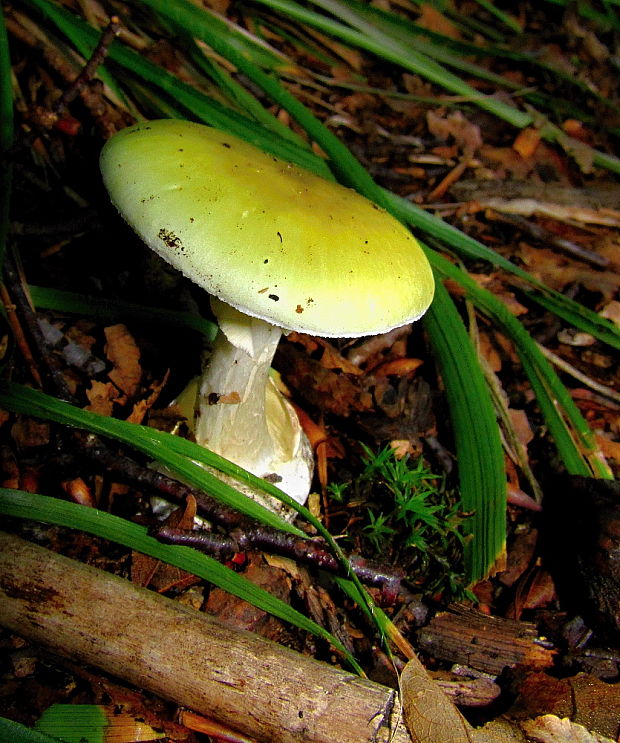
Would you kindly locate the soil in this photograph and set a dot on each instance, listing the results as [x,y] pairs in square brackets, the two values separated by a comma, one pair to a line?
[548,620]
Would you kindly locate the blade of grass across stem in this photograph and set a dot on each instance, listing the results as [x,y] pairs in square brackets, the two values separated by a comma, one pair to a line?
[182,457]
[19,504]
[158,445]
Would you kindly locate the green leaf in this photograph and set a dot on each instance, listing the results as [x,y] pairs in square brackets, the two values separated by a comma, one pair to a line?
[478,445]
[115,309]
[74,723]
[49,510]
[93,723]
[18,733]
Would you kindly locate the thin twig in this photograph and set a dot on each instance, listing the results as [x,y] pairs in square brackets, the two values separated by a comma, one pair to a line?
[244,534]
[100,52]
[576,374]
[19,335]
[23,319]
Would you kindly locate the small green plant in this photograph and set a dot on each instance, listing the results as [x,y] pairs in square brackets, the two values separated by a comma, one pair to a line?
[377,530]
[410,518]
[336,490]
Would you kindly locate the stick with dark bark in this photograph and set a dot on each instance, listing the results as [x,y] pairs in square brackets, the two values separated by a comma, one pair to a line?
[244,533]
[23,319]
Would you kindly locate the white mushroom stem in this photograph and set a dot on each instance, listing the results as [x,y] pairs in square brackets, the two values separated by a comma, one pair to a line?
[240,413]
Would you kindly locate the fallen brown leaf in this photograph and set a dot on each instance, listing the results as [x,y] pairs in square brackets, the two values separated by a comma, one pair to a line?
[122,350]
[101,397]
[454,124]
[526,142]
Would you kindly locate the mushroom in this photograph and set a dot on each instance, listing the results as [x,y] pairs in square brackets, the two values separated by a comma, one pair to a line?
[279,249]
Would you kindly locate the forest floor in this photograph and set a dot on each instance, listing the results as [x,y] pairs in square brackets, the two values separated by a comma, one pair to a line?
[549,619]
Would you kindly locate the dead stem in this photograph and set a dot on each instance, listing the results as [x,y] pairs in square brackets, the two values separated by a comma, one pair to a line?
[244,534]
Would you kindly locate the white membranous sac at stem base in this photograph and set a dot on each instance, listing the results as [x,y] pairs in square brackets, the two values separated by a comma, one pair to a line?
[279,249]
[240,413]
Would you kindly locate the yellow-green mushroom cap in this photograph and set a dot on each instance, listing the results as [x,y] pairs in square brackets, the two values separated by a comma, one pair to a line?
[265,236]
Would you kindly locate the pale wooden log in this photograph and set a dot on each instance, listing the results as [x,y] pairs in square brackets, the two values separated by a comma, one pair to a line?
[254,685]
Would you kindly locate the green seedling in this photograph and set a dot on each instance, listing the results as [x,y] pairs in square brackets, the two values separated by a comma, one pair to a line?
[411,518]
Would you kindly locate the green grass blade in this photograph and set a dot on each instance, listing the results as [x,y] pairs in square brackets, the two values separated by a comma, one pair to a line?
[190,17]
[574,313]
[410,32]
[449,52]
[49,510]
[18,733]
[182,457]
[113,310]
[478,445]
[353,37]
[165,448]
[571,433]
[375,40]
[505,18]
[242,98]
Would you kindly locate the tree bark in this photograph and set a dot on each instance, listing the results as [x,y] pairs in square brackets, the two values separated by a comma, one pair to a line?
[255,686]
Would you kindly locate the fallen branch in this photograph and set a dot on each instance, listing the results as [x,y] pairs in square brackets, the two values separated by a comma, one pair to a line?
[243,534]
[255,686]
[250,684]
